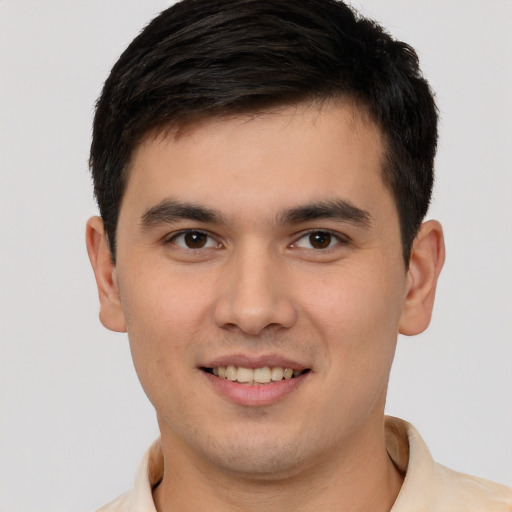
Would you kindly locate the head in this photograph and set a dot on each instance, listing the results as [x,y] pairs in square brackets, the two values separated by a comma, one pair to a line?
[262,168]
[205,59]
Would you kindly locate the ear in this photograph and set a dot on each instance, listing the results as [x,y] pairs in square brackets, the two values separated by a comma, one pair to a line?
[426,262]
[111,312]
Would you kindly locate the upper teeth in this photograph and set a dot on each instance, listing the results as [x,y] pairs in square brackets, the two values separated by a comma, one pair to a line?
[262,375]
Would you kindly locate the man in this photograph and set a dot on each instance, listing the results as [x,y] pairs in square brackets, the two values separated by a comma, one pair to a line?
[262,170]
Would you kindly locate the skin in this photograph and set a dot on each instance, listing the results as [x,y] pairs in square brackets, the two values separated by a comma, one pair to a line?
[262,287]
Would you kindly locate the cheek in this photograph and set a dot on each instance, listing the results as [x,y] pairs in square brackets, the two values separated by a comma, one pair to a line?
[357,312]
[355,318]
[160,299]
[355,298]
[164,319]
[164,315]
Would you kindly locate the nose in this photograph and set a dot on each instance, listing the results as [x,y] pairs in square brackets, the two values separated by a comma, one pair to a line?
[252,293]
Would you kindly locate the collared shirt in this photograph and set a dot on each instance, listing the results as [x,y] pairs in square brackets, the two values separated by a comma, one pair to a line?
[427,487]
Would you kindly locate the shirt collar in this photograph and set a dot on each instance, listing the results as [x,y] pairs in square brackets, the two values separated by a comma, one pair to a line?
[404,445]
[148,476]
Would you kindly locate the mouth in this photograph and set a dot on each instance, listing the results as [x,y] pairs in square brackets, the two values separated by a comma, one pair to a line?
[255,376]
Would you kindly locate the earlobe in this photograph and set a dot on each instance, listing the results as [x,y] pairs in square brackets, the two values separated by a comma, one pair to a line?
[427,259]
[111,311]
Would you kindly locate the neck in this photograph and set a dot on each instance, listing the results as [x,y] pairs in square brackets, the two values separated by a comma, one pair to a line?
[361,477]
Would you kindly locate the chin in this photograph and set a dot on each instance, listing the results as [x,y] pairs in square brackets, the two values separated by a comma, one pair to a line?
[253,456]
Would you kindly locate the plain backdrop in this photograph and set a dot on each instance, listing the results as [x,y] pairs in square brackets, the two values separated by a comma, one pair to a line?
[73,419]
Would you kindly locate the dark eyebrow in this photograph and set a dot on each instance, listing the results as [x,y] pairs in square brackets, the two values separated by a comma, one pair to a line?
[169,211]
[339,209]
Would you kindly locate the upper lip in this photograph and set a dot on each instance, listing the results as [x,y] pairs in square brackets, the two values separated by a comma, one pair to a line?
[255,361]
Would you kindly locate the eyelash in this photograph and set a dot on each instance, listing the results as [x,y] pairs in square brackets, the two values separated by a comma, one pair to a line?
[338,238]
[172,239]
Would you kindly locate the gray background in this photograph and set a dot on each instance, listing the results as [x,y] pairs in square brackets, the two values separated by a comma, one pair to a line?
[73,420]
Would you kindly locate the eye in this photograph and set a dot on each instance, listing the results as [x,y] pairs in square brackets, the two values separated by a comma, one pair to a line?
[193,240]
[318,240]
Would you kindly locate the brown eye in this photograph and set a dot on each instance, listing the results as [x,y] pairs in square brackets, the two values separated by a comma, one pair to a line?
[320,240]
[195,240]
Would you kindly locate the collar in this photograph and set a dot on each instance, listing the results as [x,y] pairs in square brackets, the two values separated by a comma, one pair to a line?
[427,485]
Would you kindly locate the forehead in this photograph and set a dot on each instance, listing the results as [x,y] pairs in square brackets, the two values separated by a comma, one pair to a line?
[300,153]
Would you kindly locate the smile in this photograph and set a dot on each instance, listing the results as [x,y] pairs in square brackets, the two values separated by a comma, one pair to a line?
[254,376]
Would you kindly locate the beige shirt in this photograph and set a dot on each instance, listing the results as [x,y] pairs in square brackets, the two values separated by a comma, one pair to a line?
[428,486]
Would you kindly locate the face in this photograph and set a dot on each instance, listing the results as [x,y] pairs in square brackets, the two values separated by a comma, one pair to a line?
[251,250]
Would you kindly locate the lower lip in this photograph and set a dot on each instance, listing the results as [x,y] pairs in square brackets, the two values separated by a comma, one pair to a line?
[254,395]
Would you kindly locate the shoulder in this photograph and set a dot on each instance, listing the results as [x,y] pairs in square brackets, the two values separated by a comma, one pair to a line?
[149,474]
[470,493]
[430,486]
[120,504]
